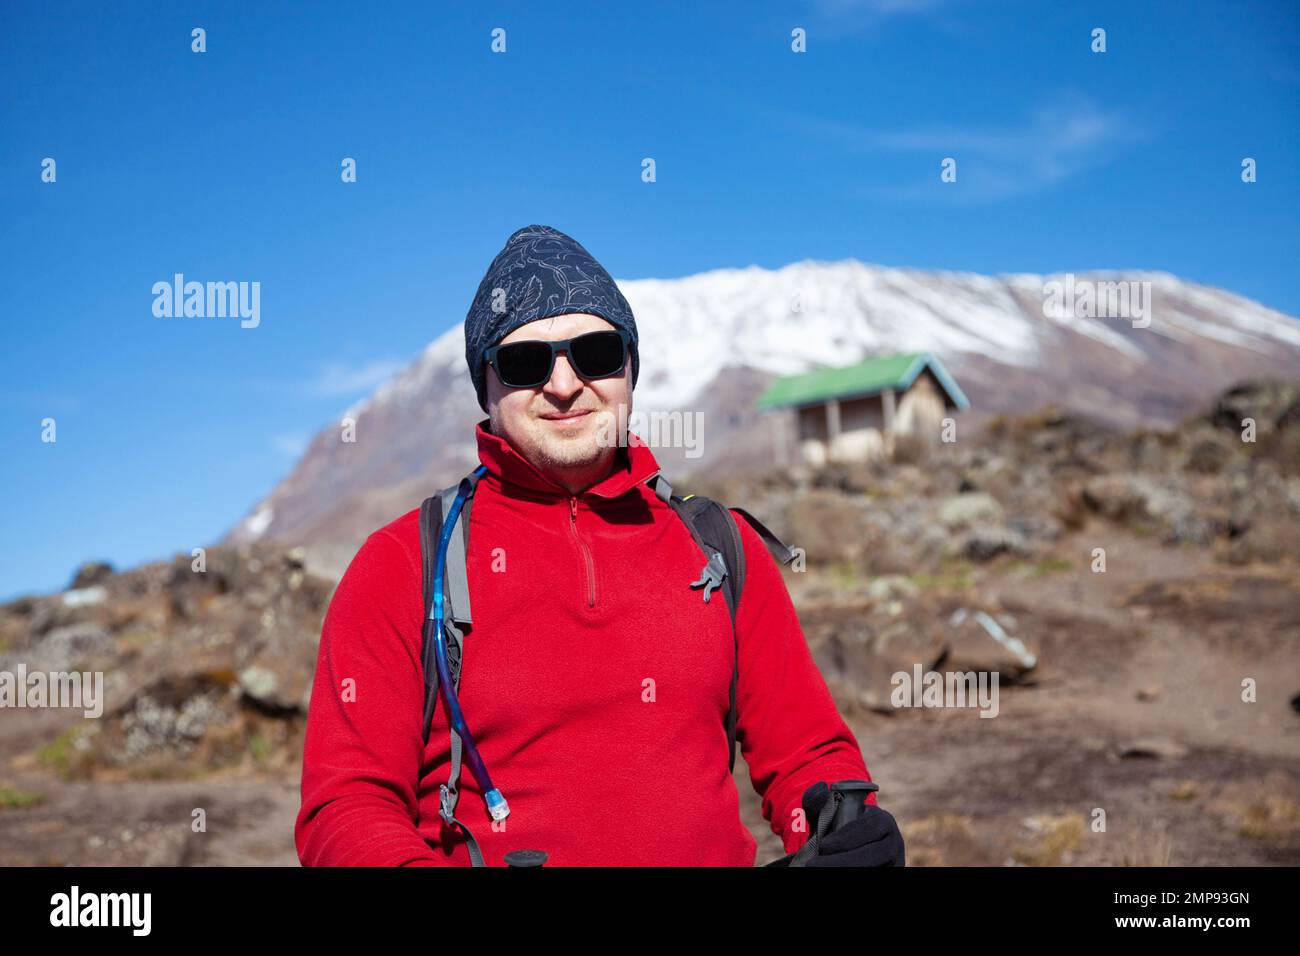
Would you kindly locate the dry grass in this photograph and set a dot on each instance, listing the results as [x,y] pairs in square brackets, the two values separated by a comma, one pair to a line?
[1271,817]
[1185,790]
[1056,841]
[1267,811]
[944,839]
[1148,848]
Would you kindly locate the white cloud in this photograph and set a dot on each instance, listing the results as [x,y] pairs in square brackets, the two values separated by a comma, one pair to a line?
[833,19]
[290,445]
[335,379]
[1056,141]
[874,8]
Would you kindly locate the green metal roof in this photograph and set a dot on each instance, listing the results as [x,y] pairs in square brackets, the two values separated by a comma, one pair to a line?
[870,377]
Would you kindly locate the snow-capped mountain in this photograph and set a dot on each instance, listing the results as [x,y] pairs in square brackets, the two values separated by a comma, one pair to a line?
[711,342]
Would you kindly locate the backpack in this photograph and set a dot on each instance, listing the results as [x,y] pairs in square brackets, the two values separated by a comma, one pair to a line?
[712,527]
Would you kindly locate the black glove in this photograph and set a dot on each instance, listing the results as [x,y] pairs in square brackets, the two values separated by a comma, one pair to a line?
[873,839]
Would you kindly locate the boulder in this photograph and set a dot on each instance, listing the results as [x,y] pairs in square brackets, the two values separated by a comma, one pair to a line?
[888,587]
[1140,502]
[91,573]
[65,648]
[829,527]
[969,508]
[1271,403]
[1152,748]
[985,542]
[861,660]
[978,641]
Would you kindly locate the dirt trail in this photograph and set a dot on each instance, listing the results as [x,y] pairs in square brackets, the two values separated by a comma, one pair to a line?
[1126,664]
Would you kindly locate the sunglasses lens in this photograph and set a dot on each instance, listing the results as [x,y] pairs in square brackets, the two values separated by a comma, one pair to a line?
[598,354]
[523,364]
[527,364]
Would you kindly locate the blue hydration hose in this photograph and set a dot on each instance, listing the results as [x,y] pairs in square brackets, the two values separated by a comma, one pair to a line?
[497,807]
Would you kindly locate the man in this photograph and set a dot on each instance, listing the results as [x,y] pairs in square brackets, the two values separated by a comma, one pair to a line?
[596,680]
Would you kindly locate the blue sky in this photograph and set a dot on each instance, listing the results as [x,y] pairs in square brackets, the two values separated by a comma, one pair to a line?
[225,165]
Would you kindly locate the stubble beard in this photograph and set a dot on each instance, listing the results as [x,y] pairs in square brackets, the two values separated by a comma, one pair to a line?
[558,452]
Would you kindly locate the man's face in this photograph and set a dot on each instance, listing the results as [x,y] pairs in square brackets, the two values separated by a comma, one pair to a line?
[577,450]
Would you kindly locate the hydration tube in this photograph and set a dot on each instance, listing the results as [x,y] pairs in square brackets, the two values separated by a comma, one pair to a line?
[497,807]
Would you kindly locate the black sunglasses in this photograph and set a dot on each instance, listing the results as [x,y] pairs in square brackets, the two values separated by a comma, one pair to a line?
[529,363]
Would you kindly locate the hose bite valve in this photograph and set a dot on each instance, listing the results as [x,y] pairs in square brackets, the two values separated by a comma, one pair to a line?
[526,858]
[498,809]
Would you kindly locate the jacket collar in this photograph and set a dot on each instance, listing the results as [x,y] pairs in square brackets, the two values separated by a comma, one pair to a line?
[634,463]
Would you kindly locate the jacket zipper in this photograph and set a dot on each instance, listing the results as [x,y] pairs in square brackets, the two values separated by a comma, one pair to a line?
[586,552]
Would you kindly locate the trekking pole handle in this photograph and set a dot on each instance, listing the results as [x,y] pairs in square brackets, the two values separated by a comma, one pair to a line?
[852,803]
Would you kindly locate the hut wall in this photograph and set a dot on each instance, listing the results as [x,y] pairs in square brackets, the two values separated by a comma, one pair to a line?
[922,409]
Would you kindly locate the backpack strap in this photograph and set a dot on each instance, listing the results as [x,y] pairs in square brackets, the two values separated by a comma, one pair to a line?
[778,548]
[714,529]
[456,609]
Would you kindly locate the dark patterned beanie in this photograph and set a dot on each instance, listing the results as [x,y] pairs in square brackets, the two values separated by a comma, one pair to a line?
[541,272]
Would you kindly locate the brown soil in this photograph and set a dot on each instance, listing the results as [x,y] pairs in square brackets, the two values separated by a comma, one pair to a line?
[1146,658]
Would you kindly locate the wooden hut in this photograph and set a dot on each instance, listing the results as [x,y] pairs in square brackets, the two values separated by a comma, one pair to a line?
[853,413]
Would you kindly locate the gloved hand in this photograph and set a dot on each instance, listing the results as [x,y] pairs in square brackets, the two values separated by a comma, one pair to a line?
[871,840]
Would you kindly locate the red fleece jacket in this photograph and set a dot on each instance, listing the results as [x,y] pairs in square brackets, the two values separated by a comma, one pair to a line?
[595,683]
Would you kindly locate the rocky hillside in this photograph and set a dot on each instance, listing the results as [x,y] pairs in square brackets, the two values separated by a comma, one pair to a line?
[1121,687]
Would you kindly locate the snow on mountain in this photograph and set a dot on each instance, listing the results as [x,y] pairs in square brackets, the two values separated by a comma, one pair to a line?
[816,313]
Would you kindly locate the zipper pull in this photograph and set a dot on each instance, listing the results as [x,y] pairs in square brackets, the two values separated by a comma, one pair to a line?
[711,576]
